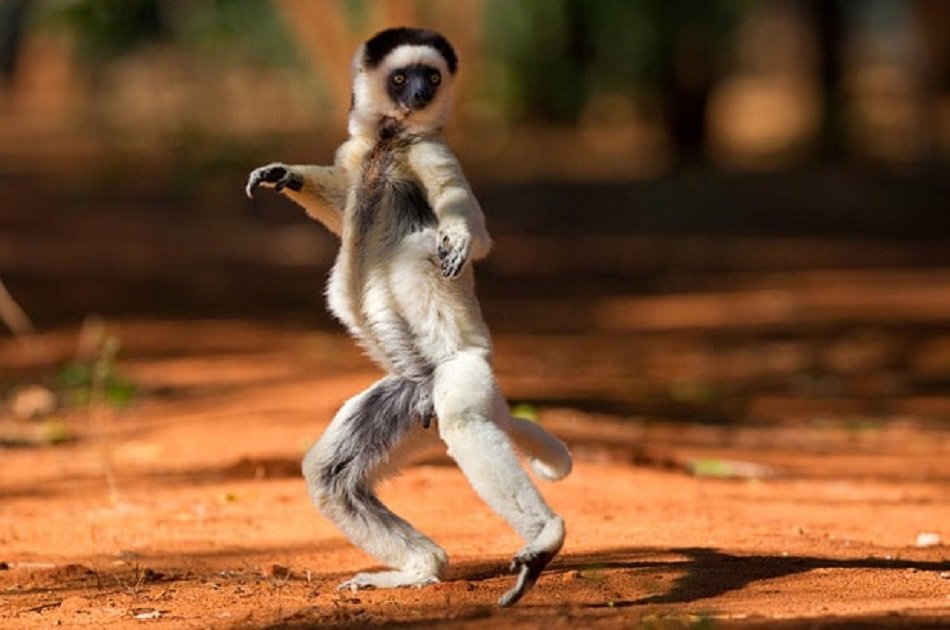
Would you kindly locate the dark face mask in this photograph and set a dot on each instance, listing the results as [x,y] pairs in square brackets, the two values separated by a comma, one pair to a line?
[414,86]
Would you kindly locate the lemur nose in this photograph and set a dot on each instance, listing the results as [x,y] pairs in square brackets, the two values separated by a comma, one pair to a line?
[420,98]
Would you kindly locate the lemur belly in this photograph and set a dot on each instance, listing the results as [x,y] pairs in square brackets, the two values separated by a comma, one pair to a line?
[407,316]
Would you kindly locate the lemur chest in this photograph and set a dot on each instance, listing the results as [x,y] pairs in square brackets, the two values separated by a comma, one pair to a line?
[390,203]
[387,217]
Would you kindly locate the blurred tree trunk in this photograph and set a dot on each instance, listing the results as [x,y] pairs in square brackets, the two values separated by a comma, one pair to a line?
[13,15]
[13,315]
[932,18]
[689,35]
[829,29]
[687,82]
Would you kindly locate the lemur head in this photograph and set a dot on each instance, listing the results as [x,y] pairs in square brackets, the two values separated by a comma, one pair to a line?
[403,74]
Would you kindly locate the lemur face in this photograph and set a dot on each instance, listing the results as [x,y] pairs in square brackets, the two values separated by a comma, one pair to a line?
[404,74]
[413,87]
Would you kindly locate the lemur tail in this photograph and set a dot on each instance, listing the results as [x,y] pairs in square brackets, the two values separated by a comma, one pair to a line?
[410,400]
[549,457]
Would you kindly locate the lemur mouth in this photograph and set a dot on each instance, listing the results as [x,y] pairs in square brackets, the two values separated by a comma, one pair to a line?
[414,105]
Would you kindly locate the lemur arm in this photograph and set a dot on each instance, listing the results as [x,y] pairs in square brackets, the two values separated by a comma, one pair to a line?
[462,232]
[323,194]
[320,190]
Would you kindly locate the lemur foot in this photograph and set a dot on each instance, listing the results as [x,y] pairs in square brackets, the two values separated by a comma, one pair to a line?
[387,579]
[530,561]
[453,251]
[276,175]
[529,567]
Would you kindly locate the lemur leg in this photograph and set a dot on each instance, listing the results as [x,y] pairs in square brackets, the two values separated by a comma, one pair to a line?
[471,416]
[372,433]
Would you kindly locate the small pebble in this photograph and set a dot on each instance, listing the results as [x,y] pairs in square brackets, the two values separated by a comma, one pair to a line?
[72,605]
[571,576]
[928,539]
[34,401]
[146,613]
[278,571]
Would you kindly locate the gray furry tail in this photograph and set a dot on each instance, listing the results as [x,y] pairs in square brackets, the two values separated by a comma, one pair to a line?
[386,413]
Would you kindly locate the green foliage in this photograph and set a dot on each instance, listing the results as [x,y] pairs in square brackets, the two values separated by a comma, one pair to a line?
[533,41]
[525,411]
[106,28]
[695,392]
[559,53]
[711,467]
[85,382]
[54,431]
[47,432]
[248,29]
[545,58]
[718,468]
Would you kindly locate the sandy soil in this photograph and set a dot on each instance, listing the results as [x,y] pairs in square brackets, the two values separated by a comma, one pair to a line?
[752,372]
[186,509]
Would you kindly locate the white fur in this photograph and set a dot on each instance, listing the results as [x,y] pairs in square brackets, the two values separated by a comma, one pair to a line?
[403,56]
[549,457]
[450,196]
[470,411]
[420,560]
[371,100]
[402,285]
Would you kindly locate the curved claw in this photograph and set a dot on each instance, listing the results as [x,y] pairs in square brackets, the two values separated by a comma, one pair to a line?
[452,255]
[279,175]
[270,174]
[253,181]
[530,566]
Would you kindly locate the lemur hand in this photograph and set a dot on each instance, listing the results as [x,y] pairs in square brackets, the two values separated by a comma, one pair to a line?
[454,245]
[276,175]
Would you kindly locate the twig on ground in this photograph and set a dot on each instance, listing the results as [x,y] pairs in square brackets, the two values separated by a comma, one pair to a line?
[42,607]
[13,315]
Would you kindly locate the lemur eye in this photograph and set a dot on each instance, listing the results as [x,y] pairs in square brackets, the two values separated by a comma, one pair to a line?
[436,78]
[399,79]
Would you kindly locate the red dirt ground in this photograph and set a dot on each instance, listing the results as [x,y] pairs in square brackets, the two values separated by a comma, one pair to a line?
[187,508]
[759,413]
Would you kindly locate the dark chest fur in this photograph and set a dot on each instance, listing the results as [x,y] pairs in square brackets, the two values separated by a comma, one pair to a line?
[390,202]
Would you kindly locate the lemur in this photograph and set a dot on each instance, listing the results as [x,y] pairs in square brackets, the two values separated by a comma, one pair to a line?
[403,285]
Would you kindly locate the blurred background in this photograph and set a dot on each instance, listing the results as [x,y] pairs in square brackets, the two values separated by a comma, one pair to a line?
[704,209]
[721,274]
